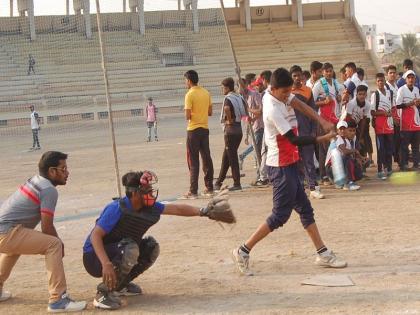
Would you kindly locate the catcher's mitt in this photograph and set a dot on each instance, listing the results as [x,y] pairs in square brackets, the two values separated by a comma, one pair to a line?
[218,208]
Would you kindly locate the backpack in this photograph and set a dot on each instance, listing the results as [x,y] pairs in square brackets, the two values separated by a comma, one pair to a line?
[324,84]
[378,98]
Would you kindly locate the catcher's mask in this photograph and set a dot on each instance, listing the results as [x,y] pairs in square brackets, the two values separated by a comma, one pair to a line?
[147,187]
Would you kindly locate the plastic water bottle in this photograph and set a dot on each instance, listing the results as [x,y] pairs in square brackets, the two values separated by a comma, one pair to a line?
[339,173]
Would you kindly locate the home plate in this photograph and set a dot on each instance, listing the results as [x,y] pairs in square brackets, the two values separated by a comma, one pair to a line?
[329,281]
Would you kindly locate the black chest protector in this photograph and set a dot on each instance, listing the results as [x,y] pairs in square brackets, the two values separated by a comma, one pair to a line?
[132,224]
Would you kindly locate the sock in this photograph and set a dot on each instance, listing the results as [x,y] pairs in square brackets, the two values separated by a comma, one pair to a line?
[245,249]
[321,250]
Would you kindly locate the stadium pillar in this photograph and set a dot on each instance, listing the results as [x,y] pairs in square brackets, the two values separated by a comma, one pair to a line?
[11,8]
[140,9]
[179,5]
[124,6]
[248,22]
[31,17]
[67,7]
[86,15]
[194,6]
[299,12]
[351,9]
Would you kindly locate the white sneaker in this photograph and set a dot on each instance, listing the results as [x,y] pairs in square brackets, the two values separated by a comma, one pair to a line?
[328,259]
[65,304]
[351,186]
[316,194]
[5,295]
[241,261]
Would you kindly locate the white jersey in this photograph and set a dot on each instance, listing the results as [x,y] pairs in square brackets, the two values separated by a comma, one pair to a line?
[279,119]
[356,112]
[34,120]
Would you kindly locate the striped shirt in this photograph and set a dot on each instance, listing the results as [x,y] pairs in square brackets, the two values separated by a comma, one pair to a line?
[37,196]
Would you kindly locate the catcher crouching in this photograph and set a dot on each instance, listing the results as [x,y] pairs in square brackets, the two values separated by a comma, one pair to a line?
[116,248]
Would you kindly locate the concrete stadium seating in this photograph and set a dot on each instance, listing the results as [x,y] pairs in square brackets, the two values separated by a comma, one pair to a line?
[69,78]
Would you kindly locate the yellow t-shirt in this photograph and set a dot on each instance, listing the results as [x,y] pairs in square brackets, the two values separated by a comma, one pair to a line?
[198,100]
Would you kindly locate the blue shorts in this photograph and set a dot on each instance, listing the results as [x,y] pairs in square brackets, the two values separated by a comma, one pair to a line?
[288,194]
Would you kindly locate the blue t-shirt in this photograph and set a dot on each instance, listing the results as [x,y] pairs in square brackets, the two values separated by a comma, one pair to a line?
[109,218]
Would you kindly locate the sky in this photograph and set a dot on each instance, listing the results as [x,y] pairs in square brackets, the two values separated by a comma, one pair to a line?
[390,16]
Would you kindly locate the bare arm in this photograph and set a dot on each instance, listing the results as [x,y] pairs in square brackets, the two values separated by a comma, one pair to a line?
[188,114]
[210,112]
[47,225]
[309,112]
[182,210]
[108,272]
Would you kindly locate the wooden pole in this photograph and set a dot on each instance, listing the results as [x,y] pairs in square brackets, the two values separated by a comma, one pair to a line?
[108,98]
[238,73]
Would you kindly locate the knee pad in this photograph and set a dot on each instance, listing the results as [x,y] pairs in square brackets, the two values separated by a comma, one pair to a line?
[149,251]
[130,254]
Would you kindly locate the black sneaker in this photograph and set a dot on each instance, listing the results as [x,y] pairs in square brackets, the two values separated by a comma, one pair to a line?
[105,301]
[130,290]
[235,188]
[260,183]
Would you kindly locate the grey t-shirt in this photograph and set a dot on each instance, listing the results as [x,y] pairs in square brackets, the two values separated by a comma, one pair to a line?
[38,195]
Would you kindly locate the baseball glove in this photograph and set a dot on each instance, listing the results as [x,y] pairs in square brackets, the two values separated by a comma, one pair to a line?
[218,208]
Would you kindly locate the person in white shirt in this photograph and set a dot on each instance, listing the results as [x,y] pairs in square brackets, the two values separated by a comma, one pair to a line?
[327,95]
[358,110]
[381,111]
[408,99]
[35,122]
[391,85]
[282,164]
[316,73]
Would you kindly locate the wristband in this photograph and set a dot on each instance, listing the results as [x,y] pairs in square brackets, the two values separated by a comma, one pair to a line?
[204,212]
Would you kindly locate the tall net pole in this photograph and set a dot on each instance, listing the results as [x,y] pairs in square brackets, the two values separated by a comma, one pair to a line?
[108,97]
[238,73]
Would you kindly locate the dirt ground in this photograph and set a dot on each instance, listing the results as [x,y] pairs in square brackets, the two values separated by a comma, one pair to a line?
[374,229]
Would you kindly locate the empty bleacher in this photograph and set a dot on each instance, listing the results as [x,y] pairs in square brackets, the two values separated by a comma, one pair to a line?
[283,44]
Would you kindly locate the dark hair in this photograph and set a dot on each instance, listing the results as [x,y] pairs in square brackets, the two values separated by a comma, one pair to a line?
[391,67]
[360,72]
[400,74]
[408,63]
[191,75]
[249,77]
[343,70]
[229,83]
[281,78]
[50,159]
[315,66]
[266,75]
[306,73]
[380,75]
[350,65]
[327,66]
[351,124]
[295,68]
[361,88]
[131,179]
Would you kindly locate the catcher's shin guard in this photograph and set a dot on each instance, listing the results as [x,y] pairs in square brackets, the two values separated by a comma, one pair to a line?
[130,255]
[149,252]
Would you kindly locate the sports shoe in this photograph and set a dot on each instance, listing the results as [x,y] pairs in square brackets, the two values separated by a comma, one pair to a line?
[190,195]
[65,304]
[241,260]
[329,259]
[260,183]
[389,173]
[5,295]
[339,186]
[381,175]
[351,186]
[235,188]
[207,193]
[326,181]
[104,300]
[37,148]
[217,187]
[156,139]
[316,194]
[130,290]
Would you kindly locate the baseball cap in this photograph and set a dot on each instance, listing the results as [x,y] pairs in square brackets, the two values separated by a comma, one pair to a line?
[341,124]
[407,73]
